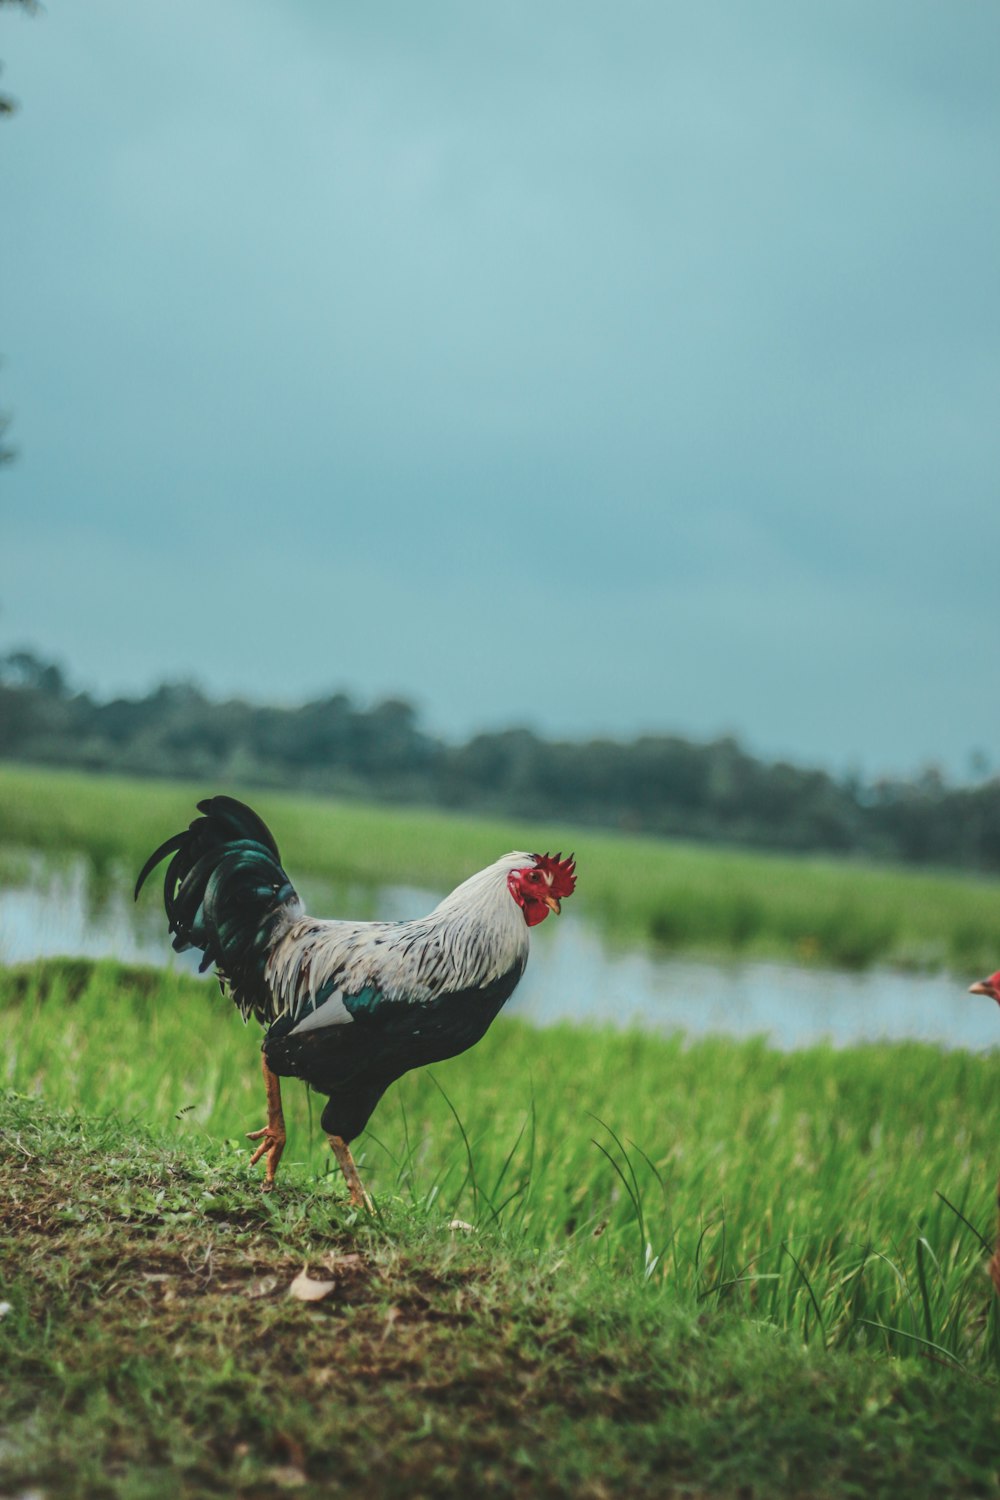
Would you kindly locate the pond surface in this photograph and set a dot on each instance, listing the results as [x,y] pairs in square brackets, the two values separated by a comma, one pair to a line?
[574,975]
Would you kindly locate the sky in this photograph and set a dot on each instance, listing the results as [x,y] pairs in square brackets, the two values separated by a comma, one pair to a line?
[605,369]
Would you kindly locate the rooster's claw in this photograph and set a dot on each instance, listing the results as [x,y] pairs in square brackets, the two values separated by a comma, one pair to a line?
[272,1144]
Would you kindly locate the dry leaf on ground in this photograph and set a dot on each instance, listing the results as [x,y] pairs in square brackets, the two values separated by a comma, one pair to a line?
[306,1289]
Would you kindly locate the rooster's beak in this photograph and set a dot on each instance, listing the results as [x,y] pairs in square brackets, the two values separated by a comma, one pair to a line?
[553,903]
[981,988]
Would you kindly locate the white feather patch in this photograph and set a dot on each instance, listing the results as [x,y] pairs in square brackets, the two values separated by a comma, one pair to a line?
[332,1012]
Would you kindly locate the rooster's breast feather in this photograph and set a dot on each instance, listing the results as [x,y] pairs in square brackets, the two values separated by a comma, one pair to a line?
[376,1004]
[379,998]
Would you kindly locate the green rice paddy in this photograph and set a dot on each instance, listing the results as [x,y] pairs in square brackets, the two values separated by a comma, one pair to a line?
[682,897]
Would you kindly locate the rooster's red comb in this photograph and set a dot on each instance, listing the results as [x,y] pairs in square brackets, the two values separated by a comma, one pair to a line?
[562,871]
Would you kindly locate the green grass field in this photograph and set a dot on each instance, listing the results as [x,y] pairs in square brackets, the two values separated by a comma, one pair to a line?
[150,1349]
[694,1270]
[713,1269]
[678,896]
[807,1189]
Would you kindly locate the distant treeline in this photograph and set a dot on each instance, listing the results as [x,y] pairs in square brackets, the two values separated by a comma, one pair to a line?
[658,784]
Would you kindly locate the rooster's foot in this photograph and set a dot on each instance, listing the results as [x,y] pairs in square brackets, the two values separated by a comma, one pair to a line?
[272,1136]
[342,1151]
[272,1144]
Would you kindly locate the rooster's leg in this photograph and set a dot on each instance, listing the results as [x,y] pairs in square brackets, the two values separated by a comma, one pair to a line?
[272,1137]
[342,1152]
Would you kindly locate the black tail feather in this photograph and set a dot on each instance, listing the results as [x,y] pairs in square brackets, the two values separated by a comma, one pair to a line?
[154,860]
[225,893]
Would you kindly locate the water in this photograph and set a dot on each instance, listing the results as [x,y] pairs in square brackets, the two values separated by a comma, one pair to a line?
[576,977]
[573,974]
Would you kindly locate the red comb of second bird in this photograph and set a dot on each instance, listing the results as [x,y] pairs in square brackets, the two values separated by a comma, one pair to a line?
[563,872]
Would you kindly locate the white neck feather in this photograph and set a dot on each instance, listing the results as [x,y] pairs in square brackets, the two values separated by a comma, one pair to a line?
[482,912]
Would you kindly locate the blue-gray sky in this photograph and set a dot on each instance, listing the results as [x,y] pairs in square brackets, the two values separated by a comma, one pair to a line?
[602,368]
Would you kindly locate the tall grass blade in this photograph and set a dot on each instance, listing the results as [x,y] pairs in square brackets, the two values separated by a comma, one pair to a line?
[925,1298]
[470,1175]
[812,1295]
[509,1158]
[984,1242]
[634,1190]
[914,1338]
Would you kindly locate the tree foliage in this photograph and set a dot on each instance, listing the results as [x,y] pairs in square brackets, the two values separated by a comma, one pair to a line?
[660,784]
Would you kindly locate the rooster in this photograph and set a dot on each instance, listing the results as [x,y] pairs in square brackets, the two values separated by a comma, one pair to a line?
[349,1006]
[991,987]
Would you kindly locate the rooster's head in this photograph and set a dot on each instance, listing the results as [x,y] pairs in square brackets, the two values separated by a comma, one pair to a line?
[989,987]
[538,888]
